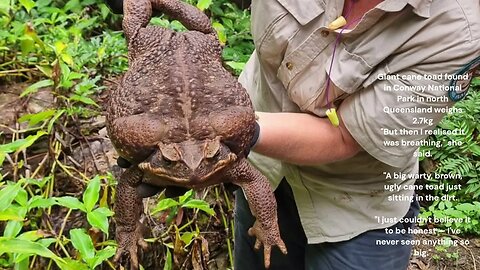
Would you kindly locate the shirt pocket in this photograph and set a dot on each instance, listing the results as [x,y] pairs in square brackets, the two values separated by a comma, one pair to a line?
[303,71]
[275,22]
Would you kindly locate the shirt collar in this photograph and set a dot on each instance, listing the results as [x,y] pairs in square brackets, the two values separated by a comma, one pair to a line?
[420,7]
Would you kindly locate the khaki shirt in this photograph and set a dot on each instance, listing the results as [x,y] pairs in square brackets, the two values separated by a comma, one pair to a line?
[288,73]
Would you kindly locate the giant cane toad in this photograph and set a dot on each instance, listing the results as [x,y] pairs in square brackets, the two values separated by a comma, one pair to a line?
[181,119]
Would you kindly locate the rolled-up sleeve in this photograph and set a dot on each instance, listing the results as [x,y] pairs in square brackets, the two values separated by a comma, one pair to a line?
[391,124]
[399,79]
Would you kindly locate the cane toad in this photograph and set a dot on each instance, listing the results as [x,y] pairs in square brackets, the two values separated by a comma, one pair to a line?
[181,119]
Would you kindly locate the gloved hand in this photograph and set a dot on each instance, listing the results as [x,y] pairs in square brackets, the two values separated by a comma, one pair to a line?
[115,5]
[255,135]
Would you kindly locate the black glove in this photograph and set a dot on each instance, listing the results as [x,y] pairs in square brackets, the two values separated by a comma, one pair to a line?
[123,163]
[115,5]
[255,135]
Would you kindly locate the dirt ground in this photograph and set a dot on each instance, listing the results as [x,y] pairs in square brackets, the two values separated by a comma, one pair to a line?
[463,256]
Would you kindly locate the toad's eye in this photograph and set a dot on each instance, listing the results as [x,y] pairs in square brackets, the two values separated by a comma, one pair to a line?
[167,161]
[216,154]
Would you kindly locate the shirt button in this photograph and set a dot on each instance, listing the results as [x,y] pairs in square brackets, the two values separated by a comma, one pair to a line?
[324,33]
[289,65]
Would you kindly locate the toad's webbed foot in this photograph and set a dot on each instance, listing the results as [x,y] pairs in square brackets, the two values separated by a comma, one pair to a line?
[267,237]
[263,206]
[128,243]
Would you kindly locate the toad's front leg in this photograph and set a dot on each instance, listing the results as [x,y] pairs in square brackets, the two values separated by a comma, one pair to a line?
[263,205]
[128,209]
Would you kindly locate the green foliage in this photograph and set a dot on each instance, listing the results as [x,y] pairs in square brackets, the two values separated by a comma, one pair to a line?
[458,157]
[463,156]
[65,45]
[16,204]
[184,201]
[462,216]
[98,217]
[83,243]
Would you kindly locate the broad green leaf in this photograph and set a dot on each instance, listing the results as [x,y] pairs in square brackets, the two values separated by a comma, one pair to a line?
[222,36]
[455,213]
[52,121]
[13,213]
[65,71]
[164,204]
[182,199]
[30,32]
[27,4]
[13,228]
[40,202]
[475,149]
[38,182]
[448,204]
[84,99]
[76,75]
[98,218]
[26,247]
[59,47]
[67,58]
[27,45]
[104,10]
[235,65]
[466,207]
[36,118]
[21,144]
[73,5]
[168,261]
[4,9]
[31,236]
[34,87]
[8,194]
[102,256]
[2,157]
[71,202]
[203,4]
[188,237]
[46,70]
[91,194]
[83,243]
[199,204]
[101,52]
[22,197]
[71,264]
[23,264]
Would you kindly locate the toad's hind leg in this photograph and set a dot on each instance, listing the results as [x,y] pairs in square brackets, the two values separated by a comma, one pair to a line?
[191,17]
[128,208]
[263,205]
[137,14]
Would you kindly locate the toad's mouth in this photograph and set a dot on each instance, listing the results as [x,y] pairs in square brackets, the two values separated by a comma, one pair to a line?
[193,178]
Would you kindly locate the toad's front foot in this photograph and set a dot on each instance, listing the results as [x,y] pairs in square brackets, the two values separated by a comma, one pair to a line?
[267,237]
[128,242]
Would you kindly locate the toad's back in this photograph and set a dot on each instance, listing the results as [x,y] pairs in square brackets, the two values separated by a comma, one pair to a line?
[175,81]
[178,80]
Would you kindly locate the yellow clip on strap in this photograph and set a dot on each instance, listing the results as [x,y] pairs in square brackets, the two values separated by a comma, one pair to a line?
[333,117]
[337,23]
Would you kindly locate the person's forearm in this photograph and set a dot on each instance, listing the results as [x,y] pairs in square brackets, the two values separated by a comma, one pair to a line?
[303,139]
